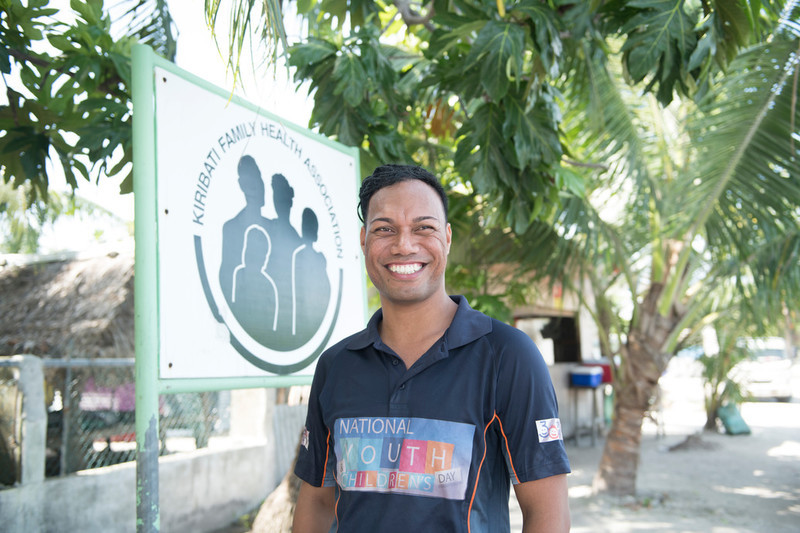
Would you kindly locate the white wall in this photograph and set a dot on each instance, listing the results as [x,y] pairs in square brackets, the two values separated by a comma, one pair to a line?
[198,491]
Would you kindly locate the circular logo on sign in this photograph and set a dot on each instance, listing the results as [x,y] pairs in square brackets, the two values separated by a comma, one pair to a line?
[266,250]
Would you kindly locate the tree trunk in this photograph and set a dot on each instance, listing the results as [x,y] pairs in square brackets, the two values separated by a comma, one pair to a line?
[74,448]
[712,405]
[616,474]
[277,512]
[202,428]
[642,364]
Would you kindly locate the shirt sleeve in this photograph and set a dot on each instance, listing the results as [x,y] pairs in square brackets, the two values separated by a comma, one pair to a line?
[527,408]
[315,459]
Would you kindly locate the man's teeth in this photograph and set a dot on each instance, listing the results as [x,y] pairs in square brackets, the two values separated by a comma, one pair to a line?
[405,269]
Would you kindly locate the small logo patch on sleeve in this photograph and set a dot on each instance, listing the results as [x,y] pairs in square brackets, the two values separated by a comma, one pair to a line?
[304,438]
[549,430]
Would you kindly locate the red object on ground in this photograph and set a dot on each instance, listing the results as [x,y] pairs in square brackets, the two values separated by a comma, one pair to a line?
[606,367]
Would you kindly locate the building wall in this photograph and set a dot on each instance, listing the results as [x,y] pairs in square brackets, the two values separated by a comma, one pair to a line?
[579,408]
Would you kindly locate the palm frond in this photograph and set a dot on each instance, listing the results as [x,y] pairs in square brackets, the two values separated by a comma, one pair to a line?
[246,18]
[150,21]
[743,175]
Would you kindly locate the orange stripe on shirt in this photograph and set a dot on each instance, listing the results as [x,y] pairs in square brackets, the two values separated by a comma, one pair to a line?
[508,450]
[324,471]
[327,451]
[478,476]
[336,504]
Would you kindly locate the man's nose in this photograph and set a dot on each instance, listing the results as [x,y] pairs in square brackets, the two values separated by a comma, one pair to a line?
[404,243]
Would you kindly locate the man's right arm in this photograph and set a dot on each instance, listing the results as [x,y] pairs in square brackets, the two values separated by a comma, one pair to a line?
[314,512]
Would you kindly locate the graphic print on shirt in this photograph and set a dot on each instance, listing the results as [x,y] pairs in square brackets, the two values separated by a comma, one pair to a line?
[549,430]
[416,456]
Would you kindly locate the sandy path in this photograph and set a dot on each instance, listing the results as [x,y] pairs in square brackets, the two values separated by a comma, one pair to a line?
[718,484]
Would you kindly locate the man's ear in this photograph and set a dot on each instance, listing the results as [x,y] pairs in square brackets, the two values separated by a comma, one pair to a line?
[449,236]
[363,237]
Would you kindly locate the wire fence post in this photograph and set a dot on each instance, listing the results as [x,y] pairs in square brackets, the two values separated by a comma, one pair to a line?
[66,417]
[34,419]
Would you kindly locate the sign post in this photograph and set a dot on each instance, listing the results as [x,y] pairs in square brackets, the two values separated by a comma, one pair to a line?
[248,263]
[145,308]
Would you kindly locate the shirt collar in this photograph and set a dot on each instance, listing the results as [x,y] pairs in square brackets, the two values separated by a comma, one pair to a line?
[467,325]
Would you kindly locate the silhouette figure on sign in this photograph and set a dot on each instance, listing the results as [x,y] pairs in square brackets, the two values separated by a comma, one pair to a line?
[254,294]
[233,231]
[285,241]
[275,283]
[310,283]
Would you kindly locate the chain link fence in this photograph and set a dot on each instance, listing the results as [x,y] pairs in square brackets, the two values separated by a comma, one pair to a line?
[91,420]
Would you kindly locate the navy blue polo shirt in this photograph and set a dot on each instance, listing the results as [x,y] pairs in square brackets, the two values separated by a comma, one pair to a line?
[432,447]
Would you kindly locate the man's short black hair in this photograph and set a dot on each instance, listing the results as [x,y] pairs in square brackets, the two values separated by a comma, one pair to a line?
[388,175]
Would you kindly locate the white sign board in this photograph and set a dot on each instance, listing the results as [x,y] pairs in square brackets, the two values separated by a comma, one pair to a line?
[259,264]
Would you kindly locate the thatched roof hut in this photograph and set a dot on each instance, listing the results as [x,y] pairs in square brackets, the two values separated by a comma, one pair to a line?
[81,306]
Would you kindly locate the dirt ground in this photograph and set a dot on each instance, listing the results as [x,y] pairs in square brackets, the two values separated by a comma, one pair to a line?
[711,482]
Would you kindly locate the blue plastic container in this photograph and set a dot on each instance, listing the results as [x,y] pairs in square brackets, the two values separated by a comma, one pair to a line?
[586,376]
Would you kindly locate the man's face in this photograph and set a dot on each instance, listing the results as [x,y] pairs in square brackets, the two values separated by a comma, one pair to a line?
[405,241]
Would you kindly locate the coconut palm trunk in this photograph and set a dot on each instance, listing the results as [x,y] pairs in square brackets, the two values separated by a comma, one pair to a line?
[643,362]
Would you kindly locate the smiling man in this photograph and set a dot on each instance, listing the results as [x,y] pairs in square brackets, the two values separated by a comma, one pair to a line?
[422,421]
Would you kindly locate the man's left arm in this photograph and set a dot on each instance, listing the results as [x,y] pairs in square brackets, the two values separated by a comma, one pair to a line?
[544,504]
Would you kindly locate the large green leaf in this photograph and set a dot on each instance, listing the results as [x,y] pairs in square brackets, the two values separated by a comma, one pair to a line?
[349,74]
[443,41]
[659,39]
[480,155]
[545,33]
[78,89]
[531,127]
[310,52]
[498,49]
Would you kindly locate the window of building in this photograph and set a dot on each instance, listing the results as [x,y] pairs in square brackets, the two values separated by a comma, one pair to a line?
[556,336]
